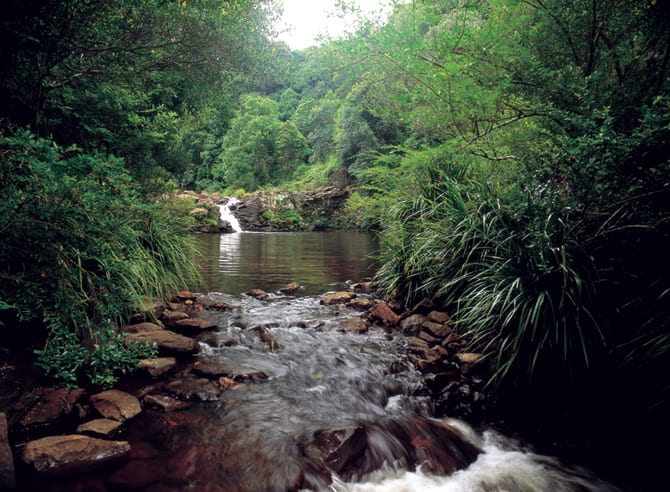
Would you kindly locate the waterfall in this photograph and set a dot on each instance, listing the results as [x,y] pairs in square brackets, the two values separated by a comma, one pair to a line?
[227,214]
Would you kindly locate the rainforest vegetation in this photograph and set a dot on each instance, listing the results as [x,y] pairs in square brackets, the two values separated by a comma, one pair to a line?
[514,155]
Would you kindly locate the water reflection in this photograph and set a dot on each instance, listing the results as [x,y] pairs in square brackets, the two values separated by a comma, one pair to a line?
[236,263]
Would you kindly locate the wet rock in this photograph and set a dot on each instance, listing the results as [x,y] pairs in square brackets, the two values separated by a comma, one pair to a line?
[290,289]
[383,314]
[440,330]
[138,474]
[165,403]
[168,342]
[363,287]
[194,325]
[440,448]
[468,357]
[258,294]
[337,298]
[52,404]
[116,405]
[170,317]
[100,427]
[141,327]
[73,453]
[158,366]
[439,317]
[7,477]
[266,337]
[354,325]
[184,295]
[340,449]
[428,337]
[216,306]
[424,307]
[361,304]
[194,389]
[211,368]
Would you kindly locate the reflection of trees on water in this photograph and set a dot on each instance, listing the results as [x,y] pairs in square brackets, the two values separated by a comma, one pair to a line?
[236,263]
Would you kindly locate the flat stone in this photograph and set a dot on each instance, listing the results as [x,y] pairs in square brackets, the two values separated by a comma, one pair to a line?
[194,324]
[383,313]
[211,368]
[184,295]
[53,403]
[468,357]
[366,287]
[428,337]
[168,342]
[169,316]
[72,453]
[116,405]
[7,476]
[165,403]
[412,322]
[100,427]
[355,325]
[158,366]
[337,298]
[440,330]
[258,294]
[361,304]
[141,327]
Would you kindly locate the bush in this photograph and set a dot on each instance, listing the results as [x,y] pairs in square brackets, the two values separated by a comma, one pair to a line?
[81,251]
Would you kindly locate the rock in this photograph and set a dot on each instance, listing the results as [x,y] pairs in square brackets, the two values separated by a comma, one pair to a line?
[184,295]
[337,298]
[424,307]
[290,289]
[439,317]
[194,324]
[266,337]
[7,476]
[363,287]
[355,325]
[211,368]
[116,405]
[170,317]
[339,449]
[412,323]
[158,366]
[165,403]
[468,357]
[194,389]
[383,313]
[100,427]
[361,304]
[428,337]
[168,342]
[440,330]
[258,294]
[141,327]
[72,453]
[53,403]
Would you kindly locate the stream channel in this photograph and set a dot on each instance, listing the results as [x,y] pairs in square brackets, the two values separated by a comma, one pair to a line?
[317,388]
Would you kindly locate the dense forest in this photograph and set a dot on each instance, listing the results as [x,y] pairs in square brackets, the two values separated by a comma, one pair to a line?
[513,154]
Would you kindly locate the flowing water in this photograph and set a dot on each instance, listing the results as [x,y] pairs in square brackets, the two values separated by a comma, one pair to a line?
[311,407]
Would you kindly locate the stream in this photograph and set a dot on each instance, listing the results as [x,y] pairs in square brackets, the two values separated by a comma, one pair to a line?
[316,409]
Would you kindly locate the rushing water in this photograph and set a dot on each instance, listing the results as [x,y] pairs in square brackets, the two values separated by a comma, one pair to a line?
[299,379]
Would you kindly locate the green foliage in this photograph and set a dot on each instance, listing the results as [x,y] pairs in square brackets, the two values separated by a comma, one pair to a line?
[81,249]
[286,219]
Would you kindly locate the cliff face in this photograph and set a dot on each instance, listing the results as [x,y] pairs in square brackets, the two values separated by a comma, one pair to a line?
[291,211]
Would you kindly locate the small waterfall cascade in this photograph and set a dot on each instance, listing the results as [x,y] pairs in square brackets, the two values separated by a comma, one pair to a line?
[227,214]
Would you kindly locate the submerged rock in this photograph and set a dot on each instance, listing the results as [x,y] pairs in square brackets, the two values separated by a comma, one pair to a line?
[354,325]
[194,389]
[73,453]
[290,289]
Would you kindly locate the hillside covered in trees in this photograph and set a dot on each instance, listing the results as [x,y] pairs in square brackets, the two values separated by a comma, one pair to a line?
[514,155]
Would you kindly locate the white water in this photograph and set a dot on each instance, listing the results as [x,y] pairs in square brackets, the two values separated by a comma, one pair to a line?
[227,215]
[503,466]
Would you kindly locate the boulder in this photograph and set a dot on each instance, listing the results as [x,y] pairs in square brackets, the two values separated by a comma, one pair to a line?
[290,289]
[337,298]
[339,449]
[72,453]
[354,325]
[168,342]
[116,405]
[412,323]
[100,427]
[211,368]
[439,317]
[158,366]
[184,295]
[383,313]
[361,304]
[52,404]
[194,325]
[364,287]
[193,389]
[440,330]
[7,477]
